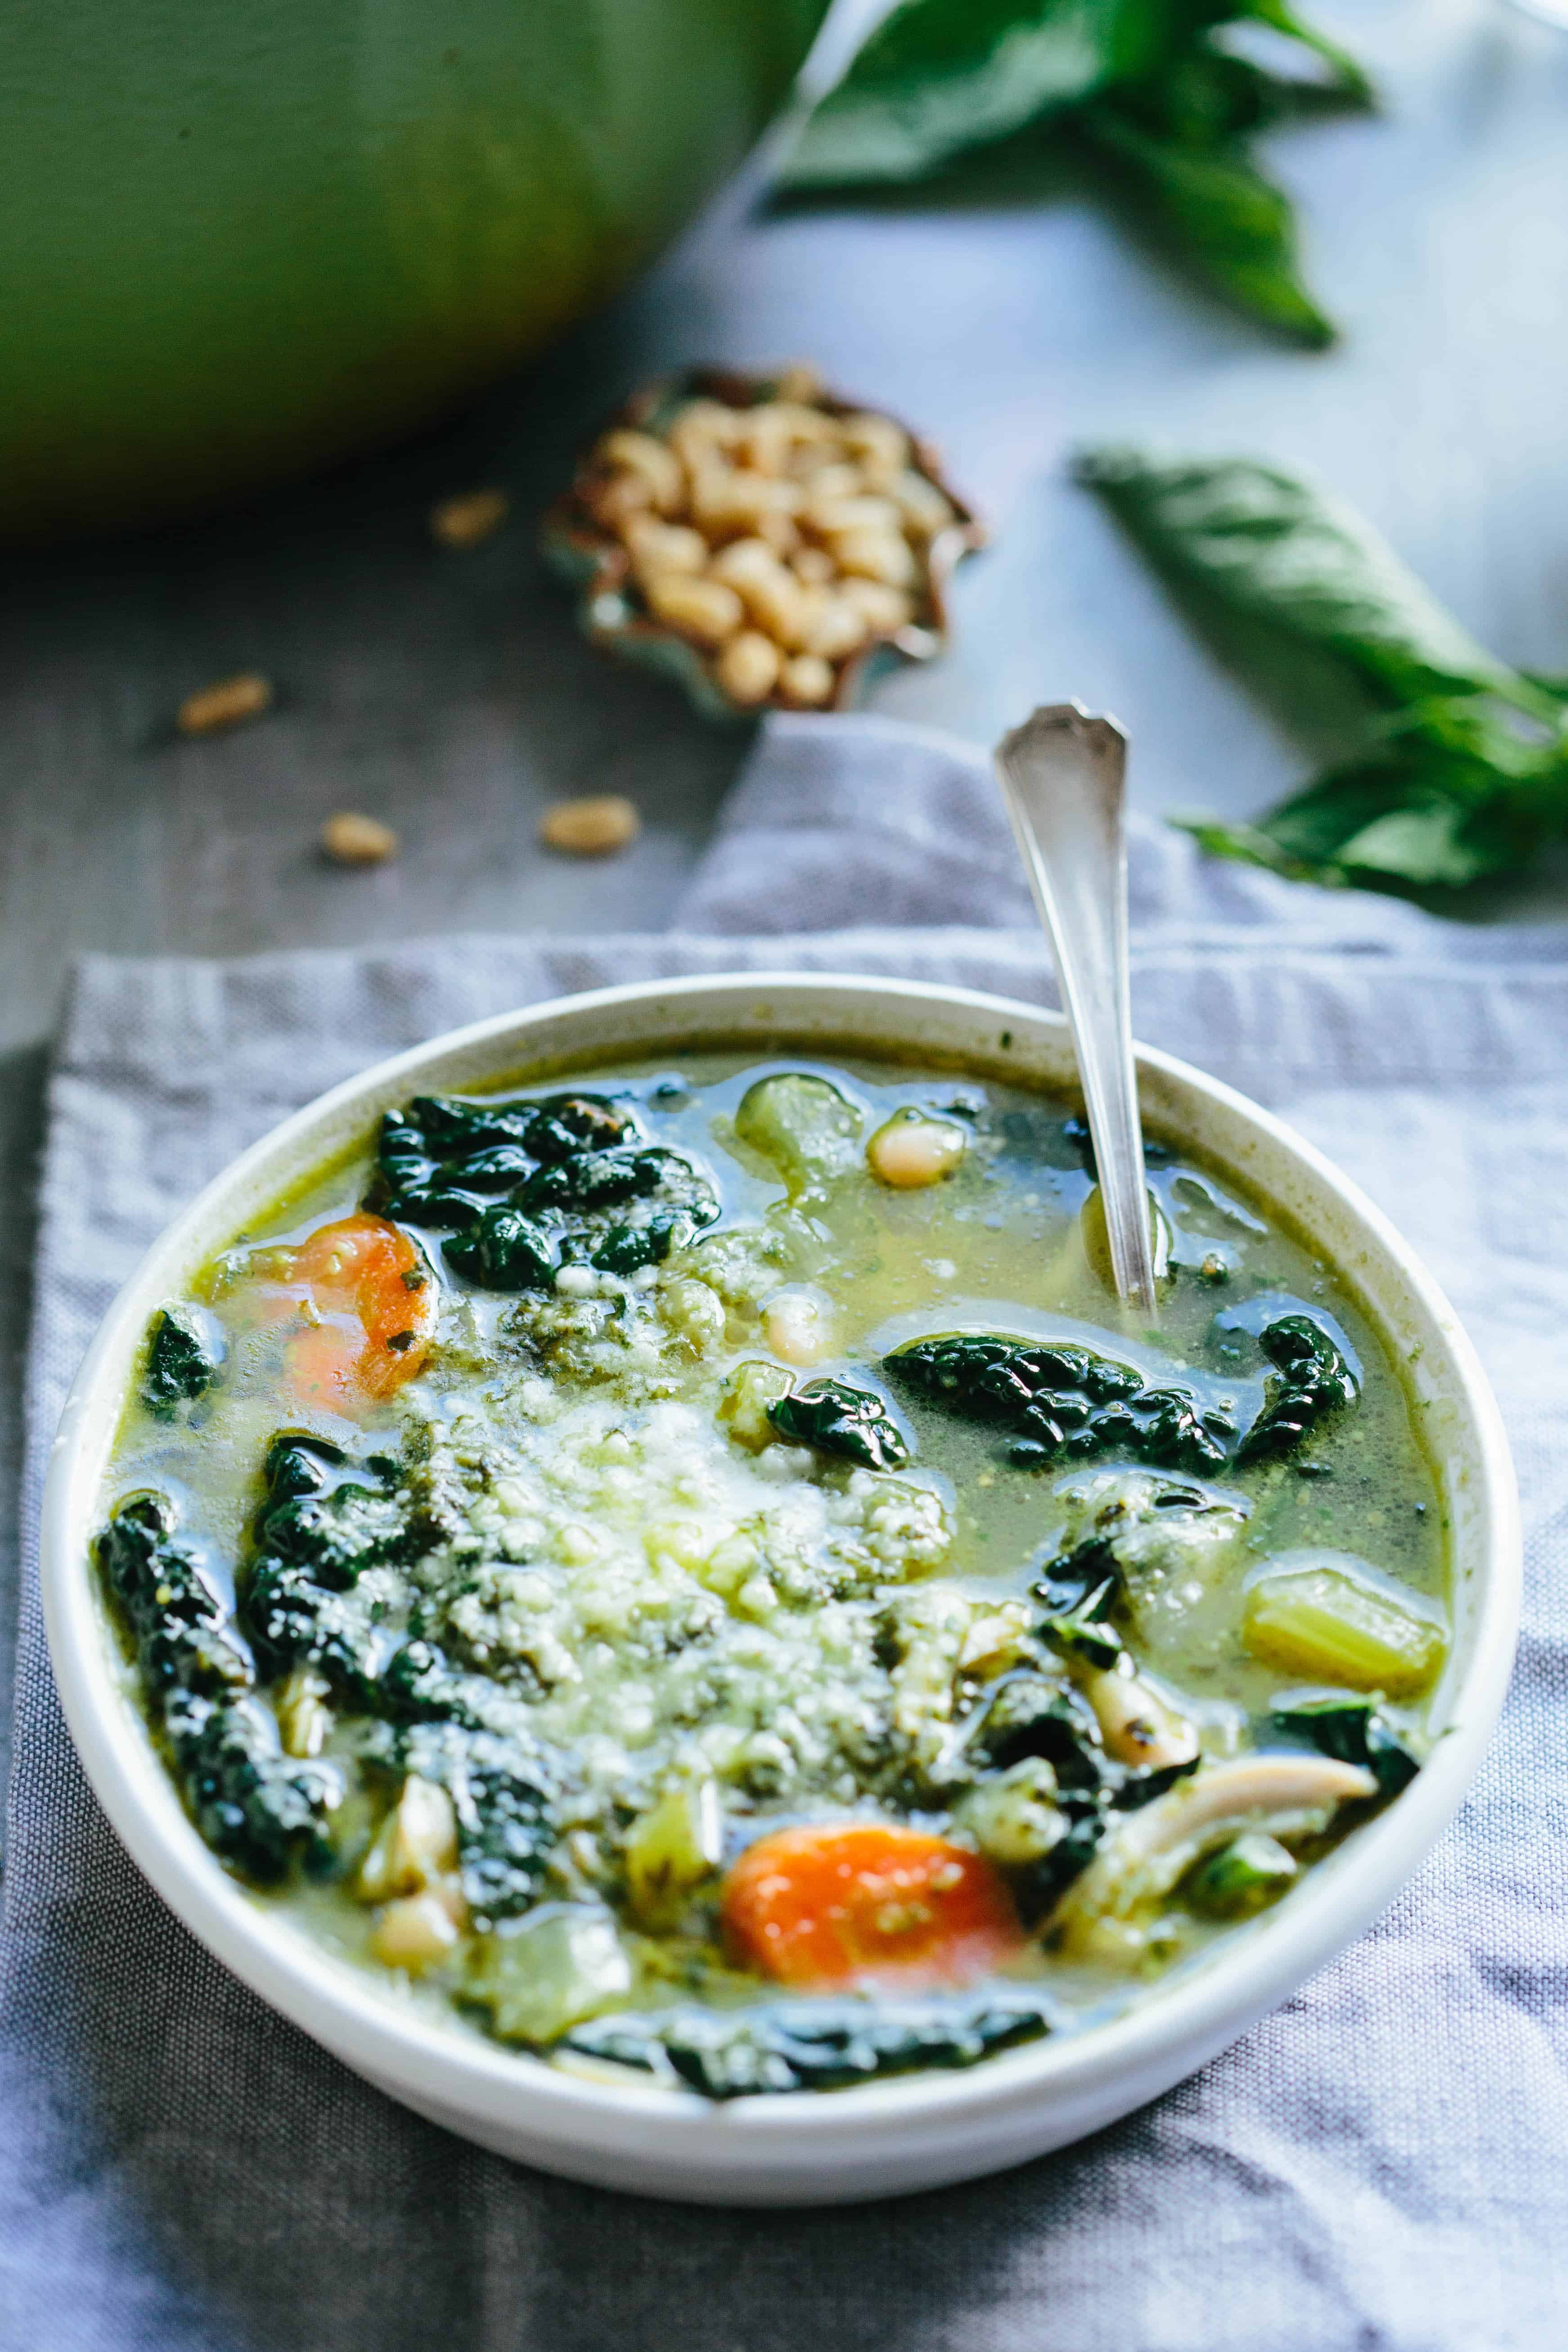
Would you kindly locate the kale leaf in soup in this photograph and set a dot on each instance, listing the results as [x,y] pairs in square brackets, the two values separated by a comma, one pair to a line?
[694,1572]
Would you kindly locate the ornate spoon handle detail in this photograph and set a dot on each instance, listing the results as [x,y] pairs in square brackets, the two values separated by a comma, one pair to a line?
[1062,774]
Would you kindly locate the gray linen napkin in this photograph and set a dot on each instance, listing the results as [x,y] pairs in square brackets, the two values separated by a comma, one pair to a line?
[1383,2165]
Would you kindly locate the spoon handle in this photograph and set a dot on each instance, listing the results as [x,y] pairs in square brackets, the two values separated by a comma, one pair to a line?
[1062,774]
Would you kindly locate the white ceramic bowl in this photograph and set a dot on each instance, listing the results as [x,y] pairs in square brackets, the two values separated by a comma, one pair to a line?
[918,2132]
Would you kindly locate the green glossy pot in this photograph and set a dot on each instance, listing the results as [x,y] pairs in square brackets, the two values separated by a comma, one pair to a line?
[245,237]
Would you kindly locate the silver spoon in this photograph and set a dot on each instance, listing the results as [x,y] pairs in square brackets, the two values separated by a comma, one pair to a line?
[1063,773]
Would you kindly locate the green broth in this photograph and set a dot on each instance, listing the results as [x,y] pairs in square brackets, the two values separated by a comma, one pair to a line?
[664,1634]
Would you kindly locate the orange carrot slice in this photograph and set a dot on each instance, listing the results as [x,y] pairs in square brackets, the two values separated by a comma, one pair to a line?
[376,1302]
[868,1903]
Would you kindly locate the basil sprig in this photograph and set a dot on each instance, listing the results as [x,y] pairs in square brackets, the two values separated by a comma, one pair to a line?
[1460,774]
[1154,101]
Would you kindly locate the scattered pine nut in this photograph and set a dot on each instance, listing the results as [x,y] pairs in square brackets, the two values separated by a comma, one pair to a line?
[229,703]
[596,826]
[351,839]
[468,518]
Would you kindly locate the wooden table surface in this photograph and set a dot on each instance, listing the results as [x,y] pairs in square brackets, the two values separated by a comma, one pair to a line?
[450,694]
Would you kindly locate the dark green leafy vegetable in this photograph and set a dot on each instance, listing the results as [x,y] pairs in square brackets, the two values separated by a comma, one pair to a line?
[320,1511]
[815,2046]
[183,1355]
[1002,1380]
[596,1179]
[1061,1400]
[250,1802]
[1081,1633]
[1462,770]
[174,1611]
[526,1187]
[1312,1379]
[325,1522]
[1354,1731]
[626,1249]
[1206,202]
[837,1419]
[440,1160]
[1039,1888]
[1069,1579]
[1031,1714]
[505,1830]
[506,1250]
[1278,550]
[255,1806]
[1156,97]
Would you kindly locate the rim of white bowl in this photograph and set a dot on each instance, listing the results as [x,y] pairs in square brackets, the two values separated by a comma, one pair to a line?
[339,2005]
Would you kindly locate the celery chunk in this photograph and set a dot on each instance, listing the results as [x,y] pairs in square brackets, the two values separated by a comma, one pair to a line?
[671,1850]
[564,1962]
[1322,1616]
[803,1125]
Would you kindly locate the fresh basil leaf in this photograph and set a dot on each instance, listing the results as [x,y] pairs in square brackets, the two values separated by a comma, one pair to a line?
[1436,847]
[939,77]
[1215,212]
[1149,91]
[1448,794]
[1279,551]
[1348,80]
[1464,774]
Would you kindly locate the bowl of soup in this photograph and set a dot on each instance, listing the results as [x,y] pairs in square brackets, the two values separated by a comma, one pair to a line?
[628,1572]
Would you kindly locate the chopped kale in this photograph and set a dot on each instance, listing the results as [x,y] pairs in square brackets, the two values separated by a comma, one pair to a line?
[183,1354]
[837,1419]
[590,1181]
[324,1522]
[1032,1714]
[1056,1400]
[1040,1885]
[420,1684]
[1166,1427]
[494,1168]
[626,1249]
[174,1613]
[252,1804]
[319,1512]
[1311,1380]
[506,1250]
[526,1187]
[815,2046]
[596,1179]
[1068,1580]
[1353,1730]
[294,1621]
[442,1159]
[505,1830]
[548,1127]
[1001,1380]
[1080,1633]
[413,1185]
